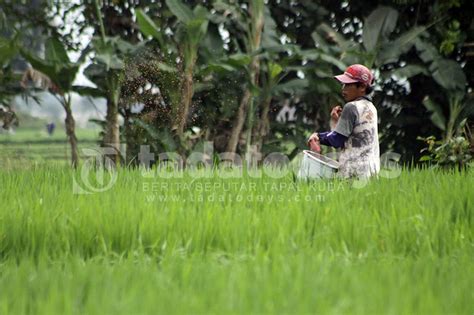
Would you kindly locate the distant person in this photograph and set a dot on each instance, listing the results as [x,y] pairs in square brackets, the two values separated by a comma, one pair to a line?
[354,126]
[50,128]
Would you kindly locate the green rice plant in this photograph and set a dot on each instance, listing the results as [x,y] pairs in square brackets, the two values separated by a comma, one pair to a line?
[214,242]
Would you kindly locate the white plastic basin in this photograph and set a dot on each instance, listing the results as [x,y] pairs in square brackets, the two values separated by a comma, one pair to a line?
[317,166]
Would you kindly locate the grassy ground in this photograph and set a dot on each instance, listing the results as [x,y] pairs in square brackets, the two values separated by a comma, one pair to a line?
[27,145]
[151,244]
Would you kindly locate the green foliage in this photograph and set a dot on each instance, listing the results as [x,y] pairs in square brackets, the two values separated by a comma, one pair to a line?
[215,40]
[409,71]
[378,26]
[447,73]
[56,64]
[149,28]
[459,110]
[378,45]
[9,80]
[392,50]
[455,152]
[161,139]
[9,48]
[108,63]
[437,116]
[111,52]
[452,37]
[184,14]
[190,32]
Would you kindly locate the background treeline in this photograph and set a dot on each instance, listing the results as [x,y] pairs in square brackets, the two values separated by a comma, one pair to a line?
[251,76]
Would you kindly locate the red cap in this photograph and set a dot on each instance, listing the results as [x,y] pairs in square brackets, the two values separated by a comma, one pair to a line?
[356,73]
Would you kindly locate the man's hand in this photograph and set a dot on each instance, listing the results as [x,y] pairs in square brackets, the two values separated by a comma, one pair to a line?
[336,113]
[314,136]
[313,143]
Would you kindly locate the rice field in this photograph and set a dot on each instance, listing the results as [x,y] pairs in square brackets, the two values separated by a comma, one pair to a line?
[251,244]
[32,145]
[214,241]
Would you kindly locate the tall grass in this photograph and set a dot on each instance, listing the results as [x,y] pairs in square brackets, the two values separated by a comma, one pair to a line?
[238,245]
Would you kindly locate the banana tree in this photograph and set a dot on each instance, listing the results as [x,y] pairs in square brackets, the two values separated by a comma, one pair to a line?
[268,63]
[249,23]
[107,71]
[449,75]
[378,47]
[273,75]
[191,29]
[275,61]
[57,73]
[253,42]
[459,109]
[276,86]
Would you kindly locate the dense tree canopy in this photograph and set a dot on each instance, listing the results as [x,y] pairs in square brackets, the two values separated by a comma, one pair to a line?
[228,71]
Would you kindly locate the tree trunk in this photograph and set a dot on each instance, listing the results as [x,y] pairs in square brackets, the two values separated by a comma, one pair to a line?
[243,109]
[128,135]
[264,124]
[70,131]
[239,122]
[255,31]
[112,131]
[186,96]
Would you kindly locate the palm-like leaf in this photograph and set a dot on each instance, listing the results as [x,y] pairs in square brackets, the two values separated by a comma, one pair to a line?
[149,28]
[180,10]
[447,73]
[378,26]
[58,69]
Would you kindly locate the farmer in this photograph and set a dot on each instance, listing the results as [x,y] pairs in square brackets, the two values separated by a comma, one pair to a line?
[354,127]
[50,128]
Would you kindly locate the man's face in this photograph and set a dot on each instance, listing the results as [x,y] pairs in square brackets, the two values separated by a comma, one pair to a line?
[352,91]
